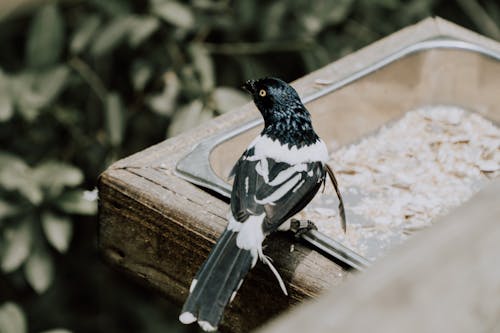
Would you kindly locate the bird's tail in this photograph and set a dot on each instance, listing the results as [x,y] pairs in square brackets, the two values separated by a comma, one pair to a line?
[217,282]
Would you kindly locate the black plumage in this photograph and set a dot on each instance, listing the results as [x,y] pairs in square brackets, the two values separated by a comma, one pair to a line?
[275,178]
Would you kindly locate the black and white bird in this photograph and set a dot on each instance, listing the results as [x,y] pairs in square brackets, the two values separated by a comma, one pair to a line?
[276,177]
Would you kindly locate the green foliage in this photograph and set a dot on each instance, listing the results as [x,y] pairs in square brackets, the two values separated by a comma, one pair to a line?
[12,318]
[97,80]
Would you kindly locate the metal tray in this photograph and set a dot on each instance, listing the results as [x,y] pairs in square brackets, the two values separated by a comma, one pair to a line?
[435,71]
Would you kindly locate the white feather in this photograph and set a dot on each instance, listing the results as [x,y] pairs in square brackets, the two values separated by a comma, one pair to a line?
[265,147]
[193,285]
[251,235]
[287,173]
[187,318]
[280,191]
[262,169]
[246,184]
[233,224]
[206,326]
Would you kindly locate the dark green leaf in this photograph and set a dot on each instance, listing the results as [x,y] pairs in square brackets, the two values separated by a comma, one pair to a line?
[27,100]
[112,35]
[39,270]
[141,73]
[188,117]
[33,90]
[74,202]
[84,34]
[46,37]
[142,28]
[114,119]
[6,99]
[164,102]
[204,65]
[12,318]
[16,175]
[113,7]
[226,98]
[48,84]
[175,13]
[6,209]
[58,230]
[54,175]
[17,246]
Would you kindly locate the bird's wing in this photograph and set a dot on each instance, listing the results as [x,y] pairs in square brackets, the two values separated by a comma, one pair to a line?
[278,189]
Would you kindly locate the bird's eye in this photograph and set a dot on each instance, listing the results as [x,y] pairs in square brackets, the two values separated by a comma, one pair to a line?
[262,93]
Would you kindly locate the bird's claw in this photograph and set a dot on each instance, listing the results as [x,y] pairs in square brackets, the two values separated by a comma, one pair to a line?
[300,227]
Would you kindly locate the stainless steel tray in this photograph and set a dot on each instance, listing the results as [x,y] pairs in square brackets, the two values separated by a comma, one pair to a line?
[419,75]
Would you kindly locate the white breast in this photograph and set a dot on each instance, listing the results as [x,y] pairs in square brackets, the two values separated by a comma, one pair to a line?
[265,147]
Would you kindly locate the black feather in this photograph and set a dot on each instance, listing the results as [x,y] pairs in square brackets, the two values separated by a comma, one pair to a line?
[217,279]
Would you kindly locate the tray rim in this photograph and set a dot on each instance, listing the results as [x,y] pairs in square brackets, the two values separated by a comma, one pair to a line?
[195,166]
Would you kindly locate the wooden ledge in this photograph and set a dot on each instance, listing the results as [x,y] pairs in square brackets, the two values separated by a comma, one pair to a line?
[160,228]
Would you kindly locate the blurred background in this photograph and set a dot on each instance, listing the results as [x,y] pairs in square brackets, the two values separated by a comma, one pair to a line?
[84,83]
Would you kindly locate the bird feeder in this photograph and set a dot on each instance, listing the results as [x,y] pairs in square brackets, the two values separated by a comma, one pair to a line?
[162,209]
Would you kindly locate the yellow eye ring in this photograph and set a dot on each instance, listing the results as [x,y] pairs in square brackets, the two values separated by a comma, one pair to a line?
[262,93]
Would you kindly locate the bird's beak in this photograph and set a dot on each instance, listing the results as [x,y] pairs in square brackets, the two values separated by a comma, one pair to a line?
[249,86]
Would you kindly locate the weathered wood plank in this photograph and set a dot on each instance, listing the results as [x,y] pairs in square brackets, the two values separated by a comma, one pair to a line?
[445,279]
[162,237]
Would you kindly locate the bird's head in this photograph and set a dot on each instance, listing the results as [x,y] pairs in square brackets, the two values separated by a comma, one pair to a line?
[274,97]
[285,117]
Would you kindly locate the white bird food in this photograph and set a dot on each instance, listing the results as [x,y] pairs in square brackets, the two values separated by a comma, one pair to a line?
[406,175]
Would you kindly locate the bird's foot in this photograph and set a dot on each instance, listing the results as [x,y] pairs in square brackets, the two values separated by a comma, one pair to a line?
[300,227]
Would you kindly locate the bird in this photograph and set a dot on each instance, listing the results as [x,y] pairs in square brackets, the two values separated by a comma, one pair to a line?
[277,175]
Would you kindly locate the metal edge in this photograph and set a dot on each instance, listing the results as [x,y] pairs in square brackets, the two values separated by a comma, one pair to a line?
[195,166]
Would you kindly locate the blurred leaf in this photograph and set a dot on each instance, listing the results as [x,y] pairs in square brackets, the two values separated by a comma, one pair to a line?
[113,7]
[325,12]
[175,13]
[115,121]
[46,37]
[54,175]
[142,28]
[12,318]
[274,14]
[50,83]
[6,100]
[16,175]
[204,65]
[39,270]
[57,330]
[188,117]
[112,35]
[311,24]
[74,202]
[17,246]
[34,90]
[58,230]
[337,14]
[11,161]
[141,73]
[6,209]
[390,4]
[226,99]
[84,34]
[164,103]
[27,101]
